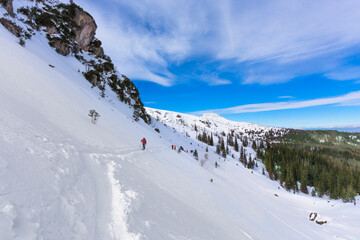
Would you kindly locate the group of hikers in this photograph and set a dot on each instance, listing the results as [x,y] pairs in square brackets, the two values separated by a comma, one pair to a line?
[173,147]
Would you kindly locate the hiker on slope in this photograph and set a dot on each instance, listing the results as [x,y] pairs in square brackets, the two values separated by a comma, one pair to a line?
[143,141]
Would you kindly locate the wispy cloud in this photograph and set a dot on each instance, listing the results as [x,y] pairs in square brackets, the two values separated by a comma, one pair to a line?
[350,99]
[286,97]
[148,37]
[348,73]
[218,81]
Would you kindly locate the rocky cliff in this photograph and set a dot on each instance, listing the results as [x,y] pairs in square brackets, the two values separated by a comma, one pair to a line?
[71,31]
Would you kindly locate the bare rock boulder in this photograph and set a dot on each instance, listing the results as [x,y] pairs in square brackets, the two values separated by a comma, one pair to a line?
[61,47]
[313,216]
[320,222]
[86,29]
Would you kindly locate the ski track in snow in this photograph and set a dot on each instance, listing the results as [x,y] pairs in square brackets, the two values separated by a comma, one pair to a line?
[22,220]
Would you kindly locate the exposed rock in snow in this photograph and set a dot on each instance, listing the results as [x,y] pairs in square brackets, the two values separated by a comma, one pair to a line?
[8,5]
[86,29]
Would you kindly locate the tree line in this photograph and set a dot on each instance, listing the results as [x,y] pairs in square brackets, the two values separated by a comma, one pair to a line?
[298,167]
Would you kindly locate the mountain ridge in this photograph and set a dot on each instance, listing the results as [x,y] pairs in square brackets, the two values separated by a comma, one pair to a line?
[71,31]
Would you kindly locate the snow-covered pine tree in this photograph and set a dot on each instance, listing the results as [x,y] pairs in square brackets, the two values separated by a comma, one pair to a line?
[94,115]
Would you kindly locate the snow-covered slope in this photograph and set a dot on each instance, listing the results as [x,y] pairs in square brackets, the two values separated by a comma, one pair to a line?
[62,177]
[213,123]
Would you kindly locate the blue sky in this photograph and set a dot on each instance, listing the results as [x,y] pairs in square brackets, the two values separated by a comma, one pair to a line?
[280,63]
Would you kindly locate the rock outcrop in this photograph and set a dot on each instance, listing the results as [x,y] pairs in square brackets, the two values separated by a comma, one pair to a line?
[11,26]
[86,29]
[8,5]
[71,30]
[61,47]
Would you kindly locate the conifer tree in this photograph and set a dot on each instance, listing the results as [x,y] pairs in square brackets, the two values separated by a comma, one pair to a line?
[241,155]
[196,155]
[236,145]
[211,140]
[303,182]
[245,141]
[224,153]
[254,145]
[218,150]
[222,144]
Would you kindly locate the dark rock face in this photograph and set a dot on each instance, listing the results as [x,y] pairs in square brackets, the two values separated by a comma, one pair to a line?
[11,26]
[61,47]
[86,29]
[8,5]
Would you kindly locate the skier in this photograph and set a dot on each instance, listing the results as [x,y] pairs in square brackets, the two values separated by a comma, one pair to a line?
[355,203]
[143,141]
[172,147]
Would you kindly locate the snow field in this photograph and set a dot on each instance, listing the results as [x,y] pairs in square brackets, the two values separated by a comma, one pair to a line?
[62,177]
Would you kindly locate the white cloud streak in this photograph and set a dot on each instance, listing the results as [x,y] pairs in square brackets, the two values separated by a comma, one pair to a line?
[286,97]
[146,37]
[350,99]
[348,73]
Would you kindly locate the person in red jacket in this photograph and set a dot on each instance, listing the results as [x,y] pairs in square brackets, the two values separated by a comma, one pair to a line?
[143,141]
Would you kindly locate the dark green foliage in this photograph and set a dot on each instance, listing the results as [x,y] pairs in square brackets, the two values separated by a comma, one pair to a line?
[108,66]
[25,11]
[222,144]
[218,150]
[223,153]
[311,167]
[251,163]
[97,43]
[196,155]
[22,42]
[236,145]
[93,77]
[254,145]
[211,143]
[44,19]
[245,141]
[4,2]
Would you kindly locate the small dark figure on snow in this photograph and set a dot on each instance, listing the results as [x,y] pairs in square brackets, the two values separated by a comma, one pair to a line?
[172,147]
[143,141]
[181,148]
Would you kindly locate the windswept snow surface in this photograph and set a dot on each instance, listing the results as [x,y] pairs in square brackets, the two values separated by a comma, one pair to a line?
[212,123]
[62,177]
